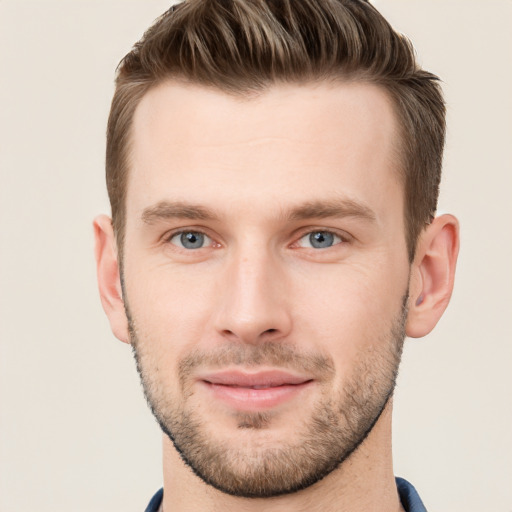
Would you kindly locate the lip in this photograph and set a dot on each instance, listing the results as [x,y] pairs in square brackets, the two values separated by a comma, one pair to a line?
[254,391]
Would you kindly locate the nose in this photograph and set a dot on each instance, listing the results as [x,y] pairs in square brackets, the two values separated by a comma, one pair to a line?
[253,306]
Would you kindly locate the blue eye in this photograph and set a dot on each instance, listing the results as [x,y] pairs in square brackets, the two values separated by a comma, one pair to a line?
[190,240]
[320,240]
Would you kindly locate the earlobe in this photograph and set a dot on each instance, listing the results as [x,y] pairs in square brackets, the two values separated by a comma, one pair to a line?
[433,274]
[109,282]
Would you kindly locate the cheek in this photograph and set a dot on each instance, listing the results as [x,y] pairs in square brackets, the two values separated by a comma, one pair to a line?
[169,309]
[346,311]
[338,310]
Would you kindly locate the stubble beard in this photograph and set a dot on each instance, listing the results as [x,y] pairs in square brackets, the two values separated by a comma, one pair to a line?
[335,429]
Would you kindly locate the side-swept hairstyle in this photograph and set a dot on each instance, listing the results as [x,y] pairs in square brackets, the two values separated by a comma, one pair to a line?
[242,46]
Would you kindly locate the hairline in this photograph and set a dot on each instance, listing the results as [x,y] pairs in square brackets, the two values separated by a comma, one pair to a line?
[399,152]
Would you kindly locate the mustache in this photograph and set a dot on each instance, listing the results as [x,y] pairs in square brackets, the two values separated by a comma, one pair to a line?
[269,353]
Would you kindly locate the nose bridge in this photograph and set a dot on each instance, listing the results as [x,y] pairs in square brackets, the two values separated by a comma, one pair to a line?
[253,305]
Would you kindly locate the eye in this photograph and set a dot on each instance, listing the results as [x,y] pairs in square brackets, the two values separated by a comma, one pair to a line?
[319,240]
[190,240]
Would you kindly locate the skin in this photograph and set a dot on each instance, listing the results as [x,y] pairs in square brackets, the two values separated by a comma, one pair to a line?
[250,162]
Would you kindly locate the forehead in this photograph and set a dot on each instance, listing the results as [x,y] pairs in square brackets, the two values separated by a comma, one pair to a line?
[289,143]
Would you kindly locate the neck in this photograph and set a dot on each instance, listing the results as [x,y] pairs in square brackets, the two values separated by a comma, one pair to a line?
[364,482]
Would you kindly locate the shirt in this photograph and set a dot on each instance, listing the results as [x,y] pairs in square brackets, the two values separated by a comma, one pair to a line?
[408,496]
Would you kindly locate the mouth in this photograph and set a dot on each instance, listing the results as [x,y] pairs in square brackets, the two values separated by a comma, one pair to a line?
[254,391]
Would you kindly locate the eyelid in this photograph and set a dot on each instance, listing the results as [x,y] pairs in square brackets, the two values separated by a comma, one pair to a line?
[205,238]
[343,235]
[169,235]
[336,240]
[299,234]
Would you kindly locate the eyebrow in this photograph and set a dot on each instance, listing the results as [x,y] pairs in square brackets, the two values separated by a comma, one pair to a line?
[337,208]
[176,210]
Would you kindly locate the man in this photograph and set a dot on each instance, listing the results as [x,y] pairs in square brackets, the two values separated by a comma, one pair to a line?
[273,171]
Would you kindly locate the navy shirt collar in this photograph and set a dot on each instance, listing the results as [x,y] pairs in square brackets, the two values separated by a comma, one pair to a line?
[408,496]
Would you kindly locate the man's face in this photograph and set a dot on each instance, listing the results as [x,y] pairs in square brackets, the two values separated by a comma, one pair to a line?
[265,276]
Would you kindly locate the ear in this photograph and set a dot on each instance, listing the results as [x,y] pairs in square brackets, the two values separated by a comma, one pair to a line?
[432,276]
[109,281]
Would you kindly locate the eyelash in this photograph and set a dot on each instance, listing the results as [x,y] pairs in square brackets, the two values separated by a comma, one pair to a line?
[168,238]
[343,238]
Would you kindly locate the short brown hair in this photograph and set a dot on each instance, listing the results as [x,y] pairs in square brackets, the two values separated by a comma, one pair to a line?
[241,46]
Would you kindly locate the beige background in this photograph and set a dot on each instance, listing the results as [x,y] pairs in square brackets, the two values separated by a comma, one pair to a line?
[74,430]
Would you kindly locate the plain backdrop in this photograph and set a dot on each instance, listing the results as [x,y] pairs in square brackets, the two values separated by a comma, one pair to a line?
[75,433]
